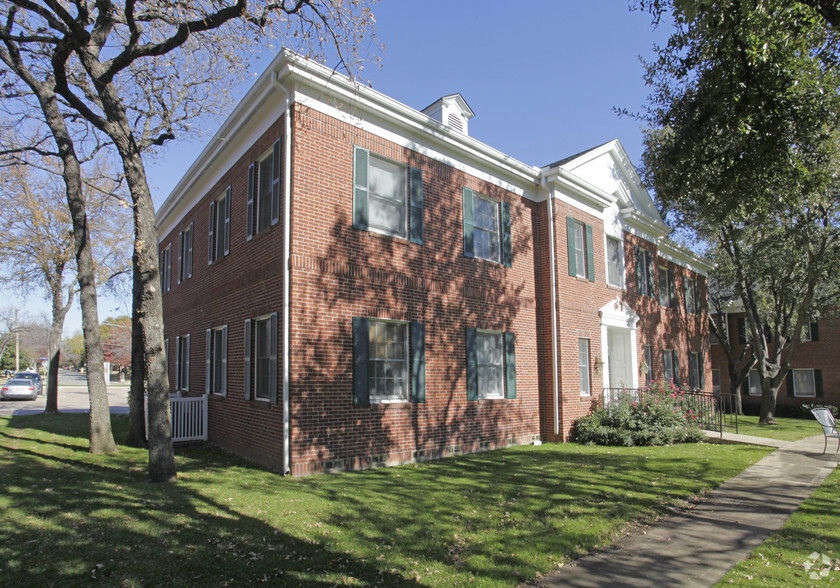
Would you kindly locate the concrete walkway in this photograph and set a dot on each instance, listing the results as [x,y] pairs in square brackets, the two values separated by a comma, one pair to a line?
[699,546]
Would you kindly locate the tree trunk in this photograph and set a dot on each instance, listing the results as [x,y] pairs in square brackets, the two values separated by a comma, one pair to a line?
[136,407]
[59,312]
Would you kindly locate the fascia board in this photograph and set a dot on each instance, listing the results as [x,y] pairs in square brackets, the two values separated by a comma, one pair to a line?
[578,189]
[683,257]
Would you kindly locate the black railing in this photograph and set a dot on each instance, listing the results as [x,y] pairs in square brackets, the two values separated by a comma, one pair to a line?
[713,412]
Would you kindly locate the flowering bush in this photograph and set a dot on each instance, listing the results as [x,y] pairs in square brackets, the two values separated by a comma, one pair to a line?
[660,414]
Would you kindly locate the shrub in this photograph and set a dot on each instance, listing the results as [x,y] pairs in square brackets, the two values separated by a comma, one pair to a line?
[658,415]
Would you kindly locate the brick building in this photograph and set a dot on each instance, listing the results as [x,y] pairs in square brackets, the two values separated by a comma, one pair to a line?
[354,282]
[813,379]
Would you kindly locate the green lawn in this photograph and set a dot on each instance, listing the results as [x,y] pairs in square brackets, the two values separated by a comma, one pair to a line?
[490,519]
[811,536]
[785,430]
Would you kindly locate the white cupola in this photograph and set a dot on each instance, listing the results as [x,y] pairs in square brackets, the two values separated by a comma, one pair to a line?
[452,111]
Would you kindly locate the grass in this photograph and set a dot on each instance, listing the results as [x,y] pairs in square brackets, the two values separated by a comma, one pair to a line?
[490,519]
[786,429]
[811,536]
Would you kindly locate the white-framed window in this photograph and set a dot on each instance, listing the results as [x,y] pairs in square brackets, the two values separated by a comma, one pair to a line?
[216,361]
[583,367]
[649,364]
[804,384]
[811,332]
[692,296]
[165,268]
[218,230]
[615,262]
[667,288]
[713,339]
[487,240]
[185,247]
[716,381]
[695,371]
[754,383]
[261,358]
[488,345]
[580,249]
[671,366]
[182,363]
[388,361]
[264,179]
[387,197]
[645,276]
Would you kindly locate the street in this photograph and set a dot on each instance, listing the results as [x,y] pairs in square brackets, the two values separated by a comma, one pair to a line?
[72,397]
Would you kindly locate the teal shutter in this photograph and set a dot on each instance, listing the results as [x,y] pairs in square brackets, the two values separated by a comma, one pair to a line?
[818,383]
[360,188]
[227,220]
[469,224]
[246,383]
[276,175]
[510,365]
[252,184]
[472,366]
[651,276]
[686,286]
[590,255]
[676,362]
[415,186]
[224,360]
[640,273]
[815,331]
[361,353]
[789,383]
[418,362]
[272,359]
[210,241]
[507,245]
[672,290]
[207,361]
[570,241]
[701,369]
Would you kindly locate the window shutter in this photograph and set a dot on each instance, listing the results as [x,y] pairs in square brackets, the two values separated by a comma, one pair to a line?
[701,369]
[510,365]
[360,188]
[246,383]
[507,244]
[252,183]
[210,240]
[178,362]
[187,364]
[570,242]
[686,285]
[651,275]
[228,196]
[672,290]
[640,273]
[815,331]
[272,359]
[180,256]
[472,366]
[418,362]
[207,361]
[275,181]
[415,187]
[745,386]
[818,383]
[190,249]
[168,268]
[224,360]
[676,362]
[361,353]
[469,223]
[742,330]
[789,384]
[590,254]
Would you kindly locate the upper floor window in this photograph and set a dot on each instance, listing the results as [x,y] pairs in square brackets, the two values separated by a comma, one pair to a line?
[185,247]
[667,288]
[491,364]
[692,296]
[219,227]
[581,250]
[487,228]
[615,262]
[263,207]
[387,197]
[645,278]
[165,268]
[811,332]
[389,361]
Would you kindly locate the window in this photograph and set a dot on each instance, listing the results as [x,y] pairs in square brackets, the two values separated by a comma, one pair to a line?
[165,268]
[261,358]
[615,262]
[805,383]
[581,253]
[387,197]
[645,278]
[695,371]
[716,381]
[667,288]
[713,339]
[487,228]
[742,330]
[182,363]
[811,332]
[491,364]
[671,362]
[649,365]
[389,361]
[219,227]
[263,207]
[753,383]
[185,246]
[216,361]
[692,298]
[583,366]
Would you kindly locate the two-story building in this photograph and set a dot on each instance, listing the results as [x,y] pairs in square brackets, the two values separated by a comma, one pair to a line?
[354,282]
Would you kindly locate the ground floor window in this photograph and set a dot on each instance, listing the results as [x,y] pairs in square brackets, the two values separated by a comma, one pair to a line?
[648,365]
[695,371]
[804,384]
[754,383]
[671,363]
[716,381]
[216,361]
[389,361]
[491,364]
[182,363]
[583,365]
[261,358]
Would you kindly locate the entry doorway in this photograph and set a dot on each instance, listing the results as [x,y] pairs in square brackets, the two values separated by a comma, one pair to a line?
[620,358]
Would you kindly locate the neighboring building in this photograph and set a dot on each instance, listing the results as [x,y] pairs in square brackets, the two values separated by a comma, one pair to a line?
[814,378]
[357,283]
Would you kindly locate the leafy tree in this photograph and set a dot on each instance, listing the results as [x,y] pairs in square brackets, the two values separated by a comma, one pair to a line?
[743,149]
[137,73]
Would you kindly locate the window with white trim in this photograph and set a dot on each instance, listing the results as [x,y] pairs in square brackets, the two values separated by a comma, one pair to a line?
[219,227]
[754,383]
[671,366]
[216,361]
[804,384]
[716,381]
[615,262]
[583,367]
[388,361]
[649,364]
[261,358]
[692,296]
[695,371]
[491,364]
[645,276]
[667,288]
[264,179]
[165,267]
[487,242]
[185,247]
[182,363]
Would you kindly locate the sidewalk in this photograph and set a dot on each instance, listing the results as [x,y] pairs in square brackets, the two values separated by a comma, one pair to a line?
[699,546]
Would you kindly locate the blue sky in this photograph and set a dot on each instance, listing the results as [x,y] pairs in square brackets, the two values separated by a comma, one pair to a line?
[542,77]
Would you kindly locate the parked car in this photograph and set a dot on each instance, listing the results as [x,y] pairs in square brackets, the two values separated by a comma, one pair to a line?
[34,377]
[21,388]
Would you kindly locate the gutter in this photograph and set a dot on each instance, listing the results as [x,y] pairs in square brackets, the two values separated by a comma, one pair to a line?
[287,225]
[554,344]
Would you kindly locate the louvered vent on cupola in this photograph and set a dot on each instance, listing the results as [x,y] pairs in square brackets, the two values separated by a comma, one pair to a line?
[451,111]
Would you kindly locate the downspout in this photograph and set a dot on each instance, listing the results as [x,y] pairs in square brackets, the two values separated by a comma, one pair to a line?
[554,345]
[287,227]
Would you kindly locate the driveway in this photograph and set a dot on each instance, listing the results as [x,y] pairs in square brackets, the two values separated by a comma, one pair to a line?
[72,397]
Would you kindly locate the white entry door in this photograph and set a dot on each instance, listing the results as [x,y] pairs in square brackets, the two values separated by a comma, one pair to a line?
[620,360]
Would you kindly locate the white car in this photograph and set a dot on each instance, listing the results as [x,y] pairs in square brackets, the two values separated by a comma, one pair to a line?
[19,389]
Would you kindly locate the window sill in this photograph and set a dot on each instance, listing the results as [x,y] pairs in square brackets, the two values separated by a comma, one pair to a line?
[396,239]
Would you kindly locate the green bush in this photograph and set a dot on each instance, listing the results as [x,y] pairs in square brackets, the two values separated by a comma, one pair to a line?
[657,415]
